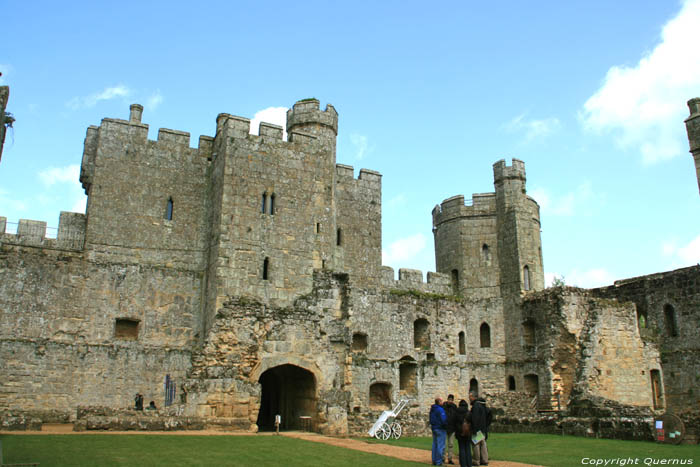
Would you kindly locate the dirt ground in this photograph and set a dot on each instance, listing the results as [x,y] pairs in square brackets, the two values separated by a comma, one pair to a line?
[407,454]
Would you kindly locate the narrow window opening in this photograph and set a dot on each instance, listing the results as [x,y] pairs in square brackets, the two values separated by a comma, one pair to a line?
[511,383]
[526,277]
[318,227]
[642,319]
[359,342]
[485,254]
[408,375]
[532,384]
[455,281]
[339,237]
[670,321]
[127,329]
[462,346]
[264,203]
[421,334]
[474,386]
[485,335]
[266,269]
[169,210]
[380,396]
[272,204]
[529,334]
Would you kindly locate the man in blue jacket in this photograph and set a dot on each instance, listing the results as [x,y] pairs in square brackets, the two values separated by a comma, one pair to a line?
[438,423]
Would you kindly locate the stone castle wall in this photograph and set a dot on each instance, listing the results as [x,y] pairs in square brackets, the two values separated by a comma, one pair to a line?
[668,313]
[249,271]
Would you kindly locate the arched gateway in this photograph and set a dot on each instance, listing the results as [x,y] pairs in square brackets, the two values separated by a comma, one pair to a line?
[289,391]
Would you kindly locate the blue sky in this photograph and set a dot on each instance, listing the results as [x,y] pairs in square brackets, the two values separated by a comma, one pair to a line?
[591,95]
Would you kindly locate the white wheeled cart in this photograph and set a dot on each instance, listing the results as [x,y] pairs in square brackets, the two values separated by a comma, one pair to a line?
[386,425]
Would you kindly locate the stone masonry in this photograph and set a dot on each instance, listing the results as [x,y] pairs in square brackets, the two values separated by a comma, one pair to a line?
[242,279]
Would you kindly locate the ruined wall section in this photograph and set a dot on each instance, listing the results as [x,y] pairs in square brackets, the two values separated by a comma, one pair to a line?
[358,249]
[669,303]
[590,344]
[466,242]
[60,342]
[269,252]
[249,337]
[130,182]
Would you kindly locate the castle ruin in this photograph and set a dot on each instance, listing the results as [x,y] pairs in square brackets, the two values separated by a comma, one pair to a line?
[242,279]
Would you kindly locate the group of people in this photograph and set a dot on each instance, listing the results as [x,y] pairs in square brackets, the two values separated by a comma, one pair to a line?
[470,427]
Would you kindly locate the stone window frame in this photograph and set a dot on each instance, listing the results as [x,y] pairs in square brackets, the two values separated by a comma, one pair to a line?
[408,365]
[127,328]
[421,337]
[264,203]
[485,335]
[530,379]
[671,320]
[455,280]
[461,343]
[358,343]
[266,269]
[486,253]
[273,207]
[386,389]
[474,386]
[527,285]
[339,237]
[169,209]
[510,383]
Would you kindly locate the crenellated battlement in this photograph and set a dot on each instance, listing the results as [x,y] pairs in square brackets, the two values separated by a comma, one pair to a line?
[501,171]
[307,115]
[347,172]
[480,205]
[70,236]
[412,279]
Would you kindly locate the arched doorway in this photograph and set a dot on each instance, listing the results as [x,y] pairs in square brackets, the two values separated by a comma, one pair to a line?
[289,391]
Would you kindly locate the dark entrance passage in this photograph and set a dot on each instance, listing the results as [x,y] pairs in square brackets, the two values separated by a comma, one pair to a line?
[289,391]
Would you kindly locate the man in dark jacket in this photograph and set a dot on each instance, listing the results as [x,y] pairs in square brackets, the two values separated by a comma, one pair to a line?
[438,423]
[451,411]
[464,440]
[481,419]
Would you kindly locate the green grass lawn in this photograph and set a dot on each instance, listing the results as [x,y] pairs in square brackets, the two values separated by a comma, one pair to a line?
[172,450]
[564,451]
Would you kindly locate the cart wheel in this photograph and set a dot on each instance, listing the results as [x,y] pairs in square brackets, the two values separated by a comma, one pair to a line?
[396,430]
[384,432]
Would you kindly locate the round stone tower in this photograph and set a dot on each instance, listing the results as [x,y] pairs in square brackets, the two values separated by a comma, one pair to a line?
[307,117]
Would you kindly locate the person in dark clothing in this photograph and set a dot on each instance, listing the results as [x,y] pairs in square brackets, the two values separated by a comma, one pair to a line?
[438,424]
[464,439]
[138,402]
[451,411]
[481,419]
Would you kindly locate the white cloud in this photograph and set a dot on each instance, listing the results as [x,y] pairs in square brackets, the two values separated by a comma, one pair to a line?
[566,204]
[154,100]
[533,129]
[684,255]
[589,279]
[104,95]
[403,249]
[274,115]
[360,143]
[644,105]
[68,174]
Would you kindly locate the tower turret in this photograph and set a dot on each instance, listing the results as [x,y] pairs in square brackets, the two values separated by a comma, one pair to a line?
[518,226]
[306,116]
[692,126]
